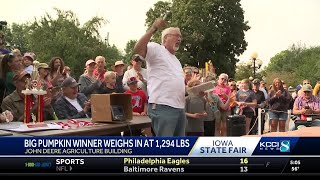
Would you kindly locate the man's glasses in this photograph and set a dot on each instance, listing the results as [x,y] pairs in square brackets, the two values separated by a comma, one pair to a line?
[176,35]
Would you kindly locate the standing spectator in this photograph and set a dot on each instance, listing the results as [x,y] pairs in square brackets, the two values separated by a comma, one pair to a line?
[118,68]
[246,102]
[195,108]
[187,74]
[223,91]
[166,87]
[109,84]
[44,71]
[259,95]
[88,82]
[233,88]
[264,89]
[27,62]
[100,67]
[316,89]
[17,53]
[138,72]
[278,101]
[139,99]
[56,76]
[10,66]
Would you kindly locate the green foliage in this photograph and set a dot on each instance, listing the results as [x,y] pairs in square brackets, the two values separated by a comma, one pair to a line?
[211,29]
[64,37]
[129,51]
[243,72]
[298,62]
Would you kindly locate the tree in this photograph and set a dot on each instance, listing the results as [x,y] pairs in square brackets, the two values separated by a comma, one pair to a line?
[243,72]
[64,37]
[16,37]
[295,64]
[211,29]
[129,51]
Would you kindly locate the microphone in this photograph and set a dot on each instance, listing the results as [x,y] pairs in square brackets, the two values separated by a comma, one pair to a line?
[167,16]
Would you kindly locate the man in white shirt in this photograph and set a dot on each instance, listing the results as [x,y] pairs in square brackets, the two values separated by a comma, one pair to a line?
[166,88]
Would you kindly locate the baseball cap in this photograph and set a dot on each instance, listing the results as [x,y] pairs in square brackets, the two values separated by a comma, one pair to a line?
[137,57]
[307,87]
[132,80]
[90,61]
[117,63]
[30,55]
[69,82]
[256,81]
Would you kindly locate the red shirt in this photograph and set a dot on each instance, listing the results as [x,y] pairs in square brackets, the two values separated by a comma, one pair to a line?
[99,75]
[139,99]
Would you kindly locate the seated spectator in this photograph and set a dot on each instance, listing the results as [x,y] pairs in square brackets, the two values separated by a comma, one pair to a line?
[307,104]
[72,104]
[304,82]
[15,101]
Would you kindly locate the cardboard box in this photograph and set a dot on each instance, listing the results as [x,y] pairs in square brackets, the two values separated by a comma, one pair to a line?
[101,106]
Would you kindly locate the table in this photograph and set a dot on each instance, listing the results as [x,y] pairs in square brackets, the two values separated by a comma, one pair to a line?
[99,129]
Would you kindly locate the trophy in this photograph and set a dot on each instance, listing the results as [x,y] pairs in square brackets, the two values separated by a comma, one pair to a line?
[36,90]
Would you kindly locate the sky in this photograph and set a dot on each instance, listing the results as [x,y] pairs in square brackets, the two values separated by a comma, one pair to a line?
[275,24]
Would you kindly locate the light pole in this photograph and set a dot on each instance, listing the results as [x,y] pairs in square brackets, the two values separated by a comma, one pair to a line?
[254,63]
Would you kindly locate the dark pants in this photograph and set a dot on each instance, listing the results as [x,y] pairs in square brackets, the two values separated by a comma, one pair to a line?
[195,133]
[209,127]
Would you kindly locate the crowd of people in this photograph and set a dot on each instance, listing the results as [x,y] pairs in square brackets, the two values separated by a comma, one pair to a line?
[160,91]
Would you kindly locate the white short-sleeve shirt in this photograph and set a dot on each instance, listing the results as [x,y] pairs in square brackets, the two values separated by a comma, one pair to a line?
[165,77]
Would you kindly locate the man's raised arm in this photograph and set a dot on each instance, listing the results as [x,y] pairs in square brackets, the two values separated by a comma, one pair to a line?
[141,46]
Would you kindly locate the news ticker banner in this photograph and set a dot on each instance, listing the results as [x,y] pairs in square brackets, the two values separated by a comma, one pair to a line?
[177,146]
[153,165]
